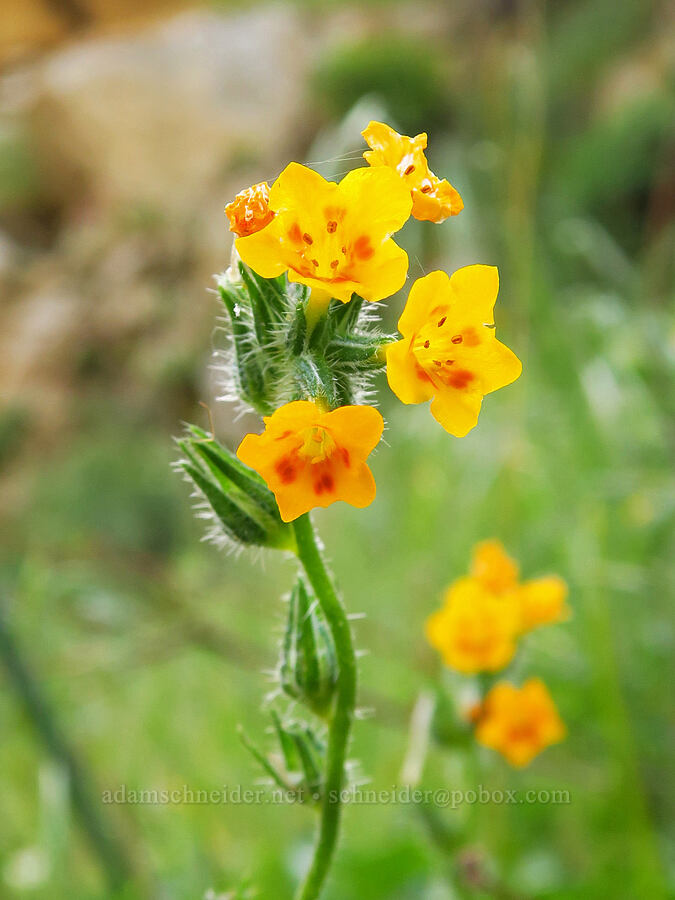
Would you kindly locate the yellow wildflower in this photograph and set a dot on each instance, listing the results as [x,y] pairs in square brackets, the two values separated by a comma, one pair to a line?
[336,238]
[433,200]
[475,631]
[493,567]
[540,601]
[449,351]
[309,457]
[519,722]
[249,211]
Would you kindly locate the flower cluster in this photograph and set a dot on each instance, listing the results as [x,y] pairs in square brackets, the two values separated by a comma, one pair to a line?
[477,631]
[311,257]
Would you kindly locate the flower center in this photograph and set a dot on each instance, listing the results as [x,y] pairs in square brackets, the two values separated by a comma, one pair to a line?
[440,350]
[329,253]
[318,445]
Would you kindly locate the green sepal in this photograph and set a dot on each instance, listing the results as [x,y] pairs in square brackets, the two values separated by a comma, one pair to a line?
[314,379]
[225,464]
[276,776]
[308,667]
[267,298]
[344,316]
[248,355]
[311,759]
[286,744]
[238,497]
[303,759]
[297,330]
[238,525]
[358,349]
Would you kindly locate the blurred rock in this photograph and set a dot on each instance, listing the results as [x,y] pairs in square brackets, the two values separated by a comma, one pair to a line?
[160,117]
[139,141]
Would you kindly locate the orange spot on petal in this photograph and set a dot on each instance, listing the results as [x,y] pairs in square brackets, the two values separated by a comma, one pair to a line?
[324,484]
[286,470]
[460,379]
[362,247]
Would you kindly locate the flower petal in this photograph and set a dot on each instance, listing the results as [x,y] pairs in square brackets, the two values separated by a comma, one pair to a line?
[425,294]
[500,366]
[473,293]
[383,274]
[357,427]
[405,376]
[456,410]
[377,201]
[263,251]
[295,184]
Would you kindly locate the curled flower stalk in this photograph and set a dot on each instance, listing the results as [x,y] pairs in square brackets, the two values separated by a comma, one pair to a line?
[312,259]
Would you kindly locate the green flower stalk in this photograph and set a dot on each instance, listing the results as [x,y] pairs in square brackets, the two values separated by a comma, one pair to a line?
[311,260]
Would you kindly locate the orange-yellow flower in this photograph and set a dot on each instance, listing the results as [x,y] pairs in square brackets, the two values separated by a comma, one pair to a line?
[250,211]
[309,457]
[449,351]
[475,631]
[334,237]
[491,564]
[519,722]
[540,601]
[433,200]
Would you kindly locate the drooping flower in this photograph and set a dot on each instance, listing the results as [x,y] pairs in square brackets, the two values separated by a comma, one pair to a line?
[334,237]
[540,601]
[474,631]
[310,457]
[250,211]
[519,722]
[434,199]
[449,351]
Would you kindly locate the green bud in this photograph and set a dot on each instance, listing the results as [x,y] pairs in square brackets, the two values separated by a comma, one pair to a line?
[314,379]
[344,316]
[241,502]
[297,330]
[358,349]
[249,358]
[267,298]
[310,753]
[298,767]
[308,667]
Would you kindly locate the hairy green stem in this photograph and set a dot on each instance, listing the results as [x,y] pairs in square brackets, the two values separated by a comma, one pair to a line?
[112,859]
[343,709]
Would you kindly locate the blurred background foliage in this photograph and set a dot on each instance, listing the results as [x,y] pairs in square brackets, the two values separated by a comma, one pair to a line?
[123,132]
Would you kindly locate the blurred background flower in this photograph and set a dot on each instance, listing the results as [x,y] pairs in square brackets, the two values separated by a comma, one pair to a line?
[125,128]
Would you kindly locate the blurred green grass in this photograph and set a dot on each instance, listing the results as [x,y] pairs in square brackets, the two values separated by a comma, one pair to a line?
[151,646]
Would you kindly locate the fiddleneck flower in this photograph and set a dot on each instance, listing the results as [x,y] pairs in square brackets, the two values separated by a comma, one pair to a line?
[518,722]
[250,211]
[474,631]
[434,200]
[539,601]
[449,351]
[334,237]
[310,457]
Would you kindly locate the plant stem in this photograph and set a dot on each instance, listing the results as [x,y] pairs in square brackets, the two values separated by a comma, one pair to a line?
[343,710]
[109,852]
